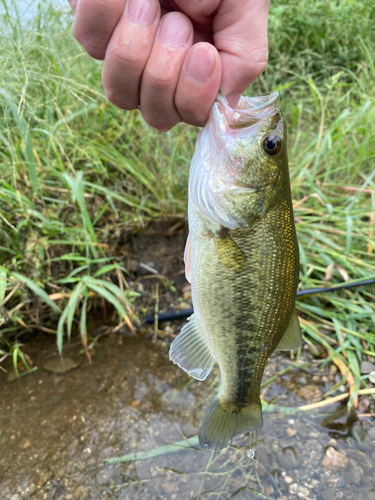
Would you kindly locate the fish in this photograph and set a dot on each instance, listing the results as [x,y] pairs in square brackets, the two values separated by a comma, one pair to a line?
[242,261]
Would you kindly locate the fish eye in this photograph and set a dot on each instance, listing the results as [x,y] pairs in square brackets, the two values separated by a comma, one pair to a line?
[272,144]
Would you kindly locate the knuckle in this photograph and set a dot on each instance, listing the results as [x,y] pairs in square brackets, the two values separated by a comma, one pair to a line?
[119,100]
[159,81]
[127,58]
[93,24]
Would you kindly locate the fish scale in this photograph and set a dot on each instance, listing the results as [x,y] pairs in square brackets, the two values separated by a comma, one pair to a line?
[241,259]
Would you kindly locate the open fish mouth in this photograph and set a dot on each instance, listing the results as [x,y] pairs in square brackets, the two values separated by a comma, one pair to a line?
[249,110]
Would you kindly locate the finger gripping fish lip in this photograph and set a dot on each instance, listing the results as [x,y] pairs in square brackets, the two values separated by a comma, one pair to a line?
[249,110]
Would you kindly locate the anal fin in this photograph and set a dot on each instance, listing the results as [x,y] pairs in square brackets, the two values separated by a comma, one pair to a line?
[291,338]
[190,351]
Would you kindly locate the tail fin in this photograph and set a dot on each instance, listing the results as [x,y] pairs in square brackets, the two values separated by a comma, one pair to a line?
[224,421]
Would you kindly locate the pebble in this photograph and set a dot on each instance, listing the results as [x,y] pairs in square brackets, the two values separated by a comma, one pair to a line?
[354,475]
[184,305]
[328,493]
[340,483]
[44,477]
[186,292]
[367,367]
[310,393]
[30,490]
[288,479]
[81,493]
[291,432]
[24,444]
[303,492]
[334,460]
[293,488]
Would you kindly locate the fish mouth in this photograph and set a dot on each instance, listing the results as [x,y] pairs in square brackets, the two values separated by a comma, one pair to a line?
[249,110]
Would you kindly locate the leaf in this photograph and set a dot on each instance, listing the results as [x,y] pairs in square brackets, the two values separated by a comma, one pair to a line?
[108,268]
[60,330]
[157,451]
[103,292]
[72,305]
[3,283]
[349,231]
[25,135]
[37,290]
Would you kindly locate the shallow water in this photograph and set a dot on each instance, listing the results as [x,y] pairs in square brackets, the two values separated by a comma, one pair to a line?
[58,429]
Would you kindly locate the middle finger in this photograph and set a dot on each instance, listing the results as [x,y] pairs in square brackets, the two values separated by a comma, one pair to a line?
[162,71]
[128,51]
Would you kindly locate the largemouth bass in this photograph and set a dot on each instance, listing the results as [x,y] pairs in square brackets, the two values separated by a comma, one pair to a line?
[242,260]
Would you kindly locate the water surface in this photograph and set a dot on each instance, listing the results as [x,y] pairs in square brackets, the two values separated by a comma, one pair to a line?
[58,429]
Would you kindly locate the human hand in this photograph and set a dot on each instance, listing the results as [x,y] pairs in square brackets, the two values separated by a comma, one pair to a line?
[158,56]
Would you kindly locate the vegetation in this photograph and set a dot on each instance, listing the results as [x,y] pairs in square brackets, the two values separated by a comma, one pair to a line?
[75,171]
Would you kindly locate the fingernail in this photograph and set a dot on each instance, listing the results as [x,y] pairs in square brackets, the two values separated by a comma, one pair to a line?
[142,12]
[174,30]
[200,63]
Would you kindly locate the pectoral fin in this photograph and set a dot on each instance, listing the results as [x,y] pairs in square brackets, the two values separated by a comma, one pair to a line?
[291,338]
[191,352]
[229,253]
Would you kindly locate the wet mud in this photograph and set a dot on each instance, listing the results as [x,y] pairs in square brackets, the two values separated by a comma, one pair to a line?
[59,428]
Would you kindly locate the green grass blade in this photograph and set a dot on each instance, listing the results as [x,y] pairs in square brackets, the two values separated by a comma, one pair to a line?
[156,452]
[3,283]
[72,305]
[37,290]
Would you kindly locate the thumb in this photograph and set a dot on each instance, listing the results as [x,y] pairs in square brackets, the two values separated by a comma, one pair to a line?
[240,35]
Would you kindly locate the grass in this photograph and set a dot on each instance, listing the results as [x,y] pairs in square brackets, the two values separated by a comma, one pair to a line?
[75,171]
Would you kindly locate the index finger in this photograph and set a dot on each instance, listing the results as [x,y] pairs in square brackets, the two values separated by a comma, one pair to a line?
[94,22]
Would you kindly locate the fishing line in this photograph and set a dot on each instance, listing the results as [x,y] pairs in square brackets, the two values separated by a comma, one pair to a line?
[184,313]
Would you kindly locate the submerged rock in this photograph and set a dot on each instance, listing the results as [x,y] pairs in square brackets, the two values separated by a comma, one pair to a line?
[59,365]
[288,458]
[360,458]
[359,434]
[354,475]
[334,460]
[340,419]
[310,393]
